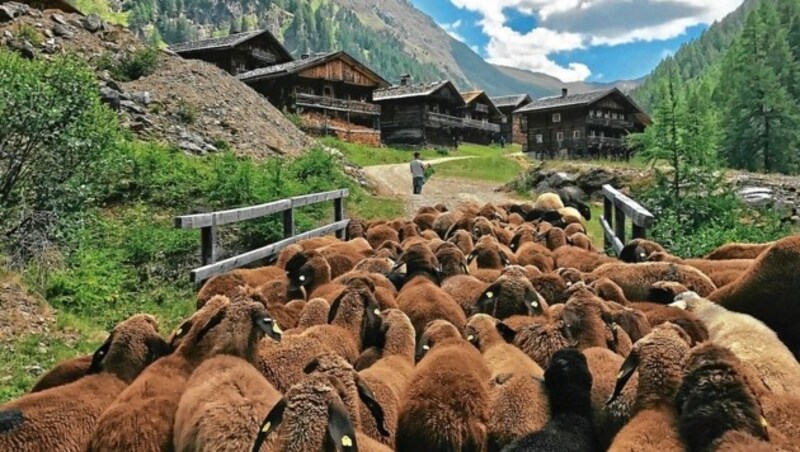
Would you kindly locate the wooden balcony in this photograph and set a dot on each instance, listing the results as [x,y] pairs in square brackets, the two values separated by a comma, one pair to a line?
[440,120]
[609,122]
[481,125]
[605,142]
[331,103]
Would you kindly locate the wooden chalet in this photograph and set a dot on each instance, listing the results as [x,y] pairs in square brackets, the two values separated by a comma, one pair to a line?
[237,53]
[422,114]
[334,85]
[587,125]
[513,125]
[482,118]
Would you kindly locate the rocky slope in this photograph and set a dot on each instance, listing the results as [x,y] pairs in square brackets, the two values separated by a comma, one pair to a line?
[189,104]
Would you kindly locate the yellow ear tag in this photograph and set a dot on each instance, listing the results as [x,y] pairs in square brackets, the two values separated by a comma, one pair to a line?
[377,311]
[535,304]
[621,373]
[179,332]
[764,422]
[470,337]
[302,278]
[426,347]
[266,427]
[347,441]
[276,329]
[489,294]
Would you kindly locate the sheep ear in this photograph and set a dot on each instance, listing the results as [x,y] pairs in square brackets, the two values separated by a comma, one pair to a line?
[490,295]
[504,258]
[626,371]
[368,397]
[182,331]
[471,257]
[341,431]
[506,331]
[335,306]
[422,348]
[213,322]
[100,355]
[271,422]
[515,242]
[156,348]
[570,321]
[312,366]
[534,302]
[270,327]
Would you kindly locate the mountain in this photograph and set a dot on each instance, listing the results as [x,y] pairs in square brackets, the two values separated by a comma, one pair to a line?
[551,84]
[697,56]
[392,36]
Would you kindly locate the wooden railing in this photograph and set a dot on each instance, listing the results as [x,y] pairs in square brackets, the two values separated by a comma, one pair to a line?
[207,223]
[616,208]
[481,125]
[331,103]
[444,120]
[609,122]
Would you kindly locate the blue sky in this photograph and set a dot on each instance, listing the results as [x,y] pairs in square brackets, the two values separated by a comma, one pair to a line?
[574,40]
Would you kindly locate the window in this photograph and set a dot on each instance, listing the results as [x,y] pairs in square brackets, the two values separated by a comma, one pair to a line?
[576,134]
[591,113]
[556,117]
[591,134]
[539,138]
[560,136]
[327,91]
[602,134]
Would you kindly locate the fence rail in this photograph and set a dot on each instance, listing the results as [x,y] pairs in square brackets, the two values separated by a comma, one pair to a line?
[207,223]
[616,208]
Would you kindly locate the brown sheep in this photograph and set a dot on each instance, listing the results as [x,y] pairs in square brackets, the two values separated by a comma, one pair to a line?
[511,294]
[767,291]
[659,359]
[143,416]
[314,313]
[463,240]
[636,279]
[580,259]
[551,287]
[64,417]
[581,240]
[553,239]
[424,221]
[446,405]
[465,290]
[574,228]
[230,283]
[609,419]
[377,235]
[518,400]
[538,337]
[444,222]
[658,314]
[639,250]
[312,416]
[531,253]
[452,261]
[222,407]
[357,228]
[65,372]
[739,251]
[488,254]
[307,271]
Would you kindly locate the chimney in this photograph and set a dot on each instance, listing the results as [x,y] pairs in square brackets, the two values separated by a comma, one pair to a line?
[564,92]
[305,56]
[405,79]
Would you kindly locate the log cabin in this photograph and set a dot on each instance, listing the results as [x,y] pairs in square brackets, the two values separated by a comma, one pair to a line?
[586,125]
[513,126]
[429,114]
[482,118]
[237,53]
[332,86]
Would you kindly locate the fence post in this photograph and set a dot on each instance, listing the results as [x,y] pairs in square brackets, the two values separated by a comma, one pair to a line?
[338,214]
[208,241]
[608,214]
[639,232]
[288,223]
[619,224]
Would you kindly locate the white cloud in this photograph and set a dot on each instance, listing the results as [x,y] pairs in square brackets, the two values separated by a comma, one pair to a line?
[452,30]
[564,25]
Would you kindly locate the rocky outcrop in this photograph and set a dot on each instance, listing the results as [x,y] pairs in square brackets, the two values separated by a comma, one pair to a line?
[539,178]
[191,105]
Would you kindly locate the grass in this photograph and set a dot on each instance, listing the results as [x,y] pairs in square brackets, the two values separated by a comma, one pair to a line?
[374,208]
[103,9]
[495,169]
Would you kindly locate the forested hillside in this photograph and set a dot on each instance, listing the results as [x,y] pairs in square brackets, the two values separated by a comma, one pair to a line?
[736,104]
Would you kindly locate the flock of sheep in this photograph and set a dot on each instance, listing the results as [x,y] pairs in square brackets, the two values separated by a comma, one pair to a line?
[478,329]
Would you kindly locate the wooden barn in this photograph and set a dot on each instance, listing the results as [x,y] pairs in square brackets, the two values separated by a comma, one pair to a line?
[587,125]
[482,119]
[334,90]
[513,125]
[237,53]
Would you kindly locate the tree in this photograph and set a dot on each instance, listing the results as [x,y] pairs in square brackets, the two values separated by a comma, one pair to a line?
[54,133]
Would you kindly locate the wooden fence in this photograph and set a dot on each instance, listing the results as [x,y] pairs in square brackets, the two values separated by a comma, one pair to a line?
[616,208]
[207,223]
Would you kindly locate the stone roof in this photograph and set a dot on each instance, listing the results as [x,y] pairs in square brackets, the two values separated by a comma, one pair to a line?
[511,101]
[570,100]
[226,42]
[406,91]
[469,96]
[293,67]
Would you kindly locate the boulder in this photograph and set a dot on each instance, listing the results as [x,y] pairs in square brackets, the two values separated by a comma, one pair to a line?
[64,31]
[594,179]
[560,179]
[59,19]
[757,197]
[11,10]
[92,23]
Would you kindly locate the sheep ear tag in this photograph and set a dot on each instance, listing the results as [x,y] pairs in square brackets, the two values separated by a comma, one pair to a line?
[273,419]
[181,331]
[270,328]
[626,371]
[341,431]
[100,355]
[533,302]
[368,397]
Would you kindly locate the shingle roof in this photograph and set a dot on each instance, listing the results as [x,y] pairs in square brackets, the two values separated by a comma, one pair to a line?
[406,91]
[469,96]
[552,102]
[293,67]
[225,42]
[511,101]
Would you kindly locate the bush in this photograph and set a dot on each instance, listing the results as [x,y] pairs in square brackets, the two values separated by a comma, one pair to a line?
[187,112]
[131,66]
[57,140]
[29,34]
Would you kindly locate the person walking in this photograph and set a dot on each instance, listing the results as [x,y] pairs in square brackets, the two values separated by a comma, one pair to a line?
[418,173]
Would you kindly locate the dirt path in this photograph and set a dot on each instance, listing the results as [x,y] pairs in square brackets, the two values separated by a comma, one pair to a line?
[395,181]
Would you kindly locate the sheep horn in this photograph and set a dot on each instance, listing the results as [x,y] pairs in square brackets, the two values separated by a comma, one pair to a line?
[626,371]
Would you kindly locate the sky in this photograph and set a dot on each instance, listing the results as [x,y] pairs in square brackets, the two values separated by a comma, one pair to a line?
[577,40]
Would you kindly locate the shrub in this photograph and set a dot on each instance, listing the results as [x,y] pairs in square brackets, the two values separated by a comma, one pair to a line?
[187,112]
[29,34]
[130,66]
[56,140]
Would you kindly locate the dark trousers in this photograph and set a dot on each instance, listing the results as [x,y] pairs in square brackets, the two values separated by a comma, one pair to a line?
[418,182]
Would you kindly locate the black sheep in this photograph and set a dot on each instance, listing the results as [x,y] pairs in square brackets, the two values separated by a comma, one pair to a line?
[569,385]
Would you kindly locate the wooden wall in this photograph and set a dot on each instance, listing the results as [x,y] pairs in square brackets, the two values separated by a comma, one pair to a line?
[341,71]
